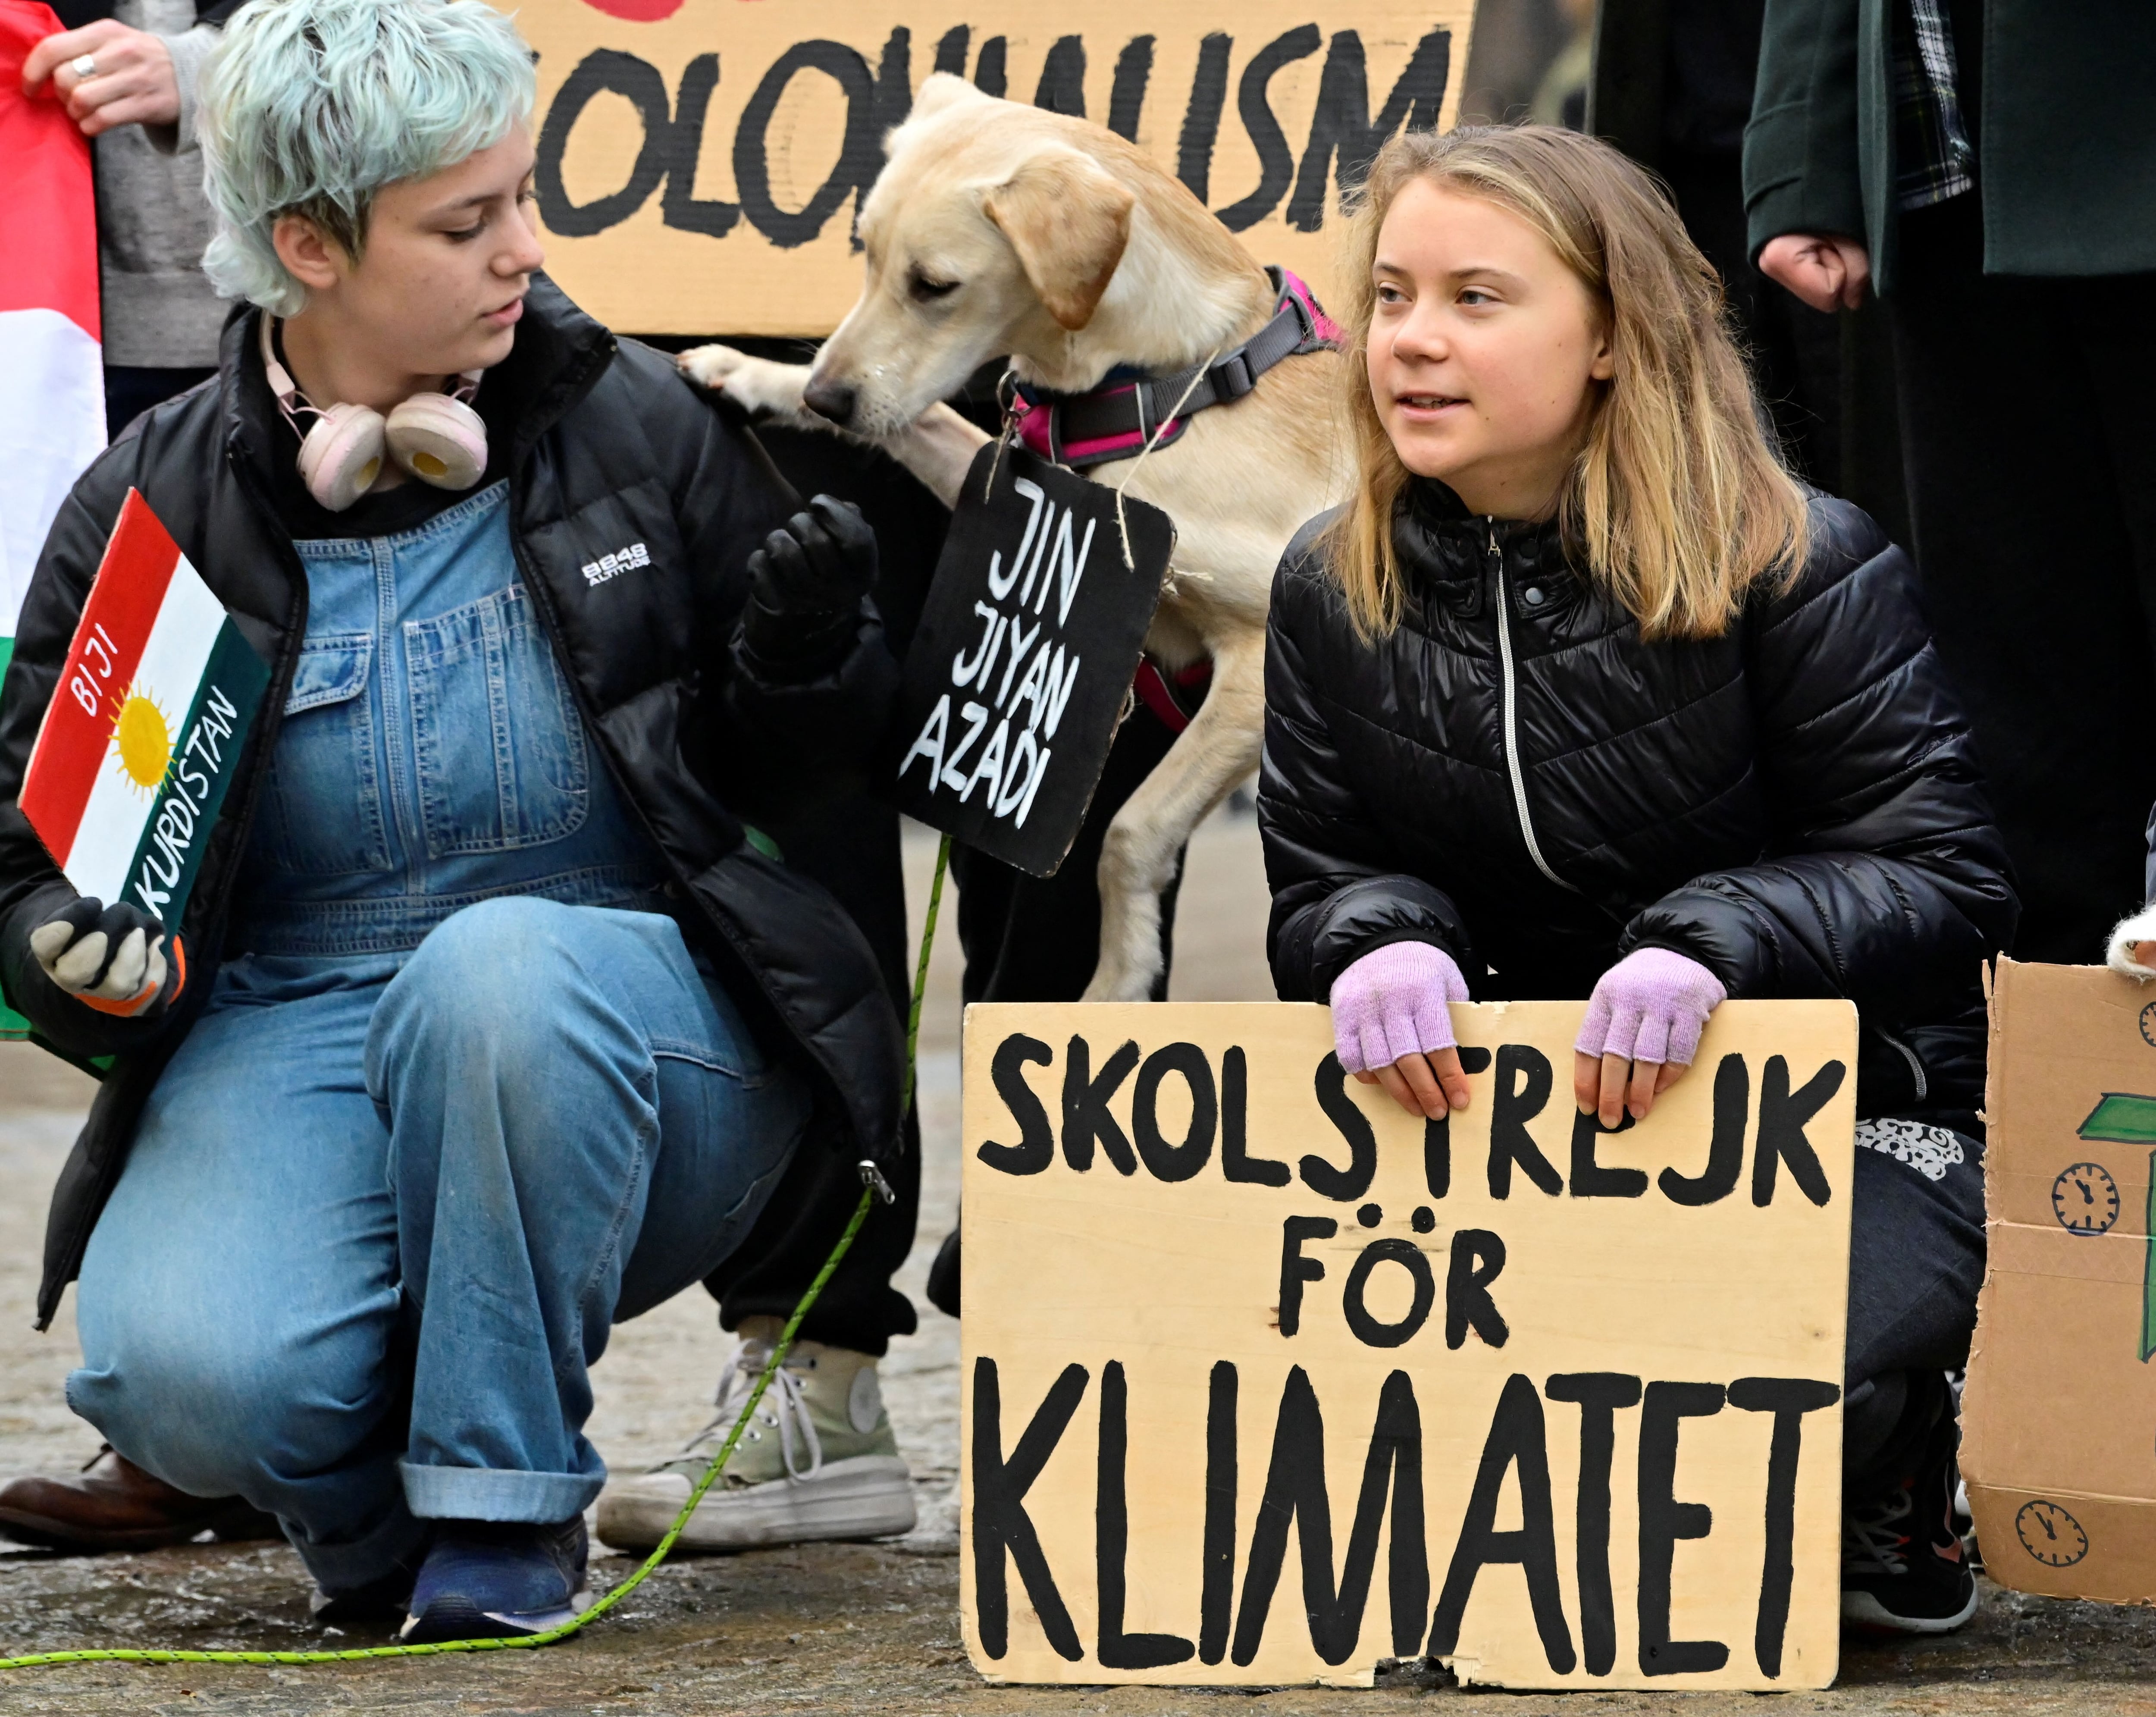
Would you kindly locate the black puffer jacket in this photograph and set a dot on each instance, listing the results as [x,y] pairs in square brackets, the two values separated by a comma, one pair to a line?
[606,446]
[1516,777]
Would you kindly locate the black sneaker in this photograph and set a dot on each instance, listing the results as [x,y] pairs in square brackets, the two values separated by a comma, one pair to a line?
[1903,1568]
[488,1579]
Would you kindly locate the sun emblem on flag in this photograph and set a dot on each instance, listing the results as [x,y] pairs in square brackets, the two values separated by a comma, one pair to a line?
[142,742]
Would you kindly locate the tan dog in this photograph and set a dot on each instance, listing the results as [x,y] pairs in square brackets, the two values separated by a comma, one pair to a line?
[997,229]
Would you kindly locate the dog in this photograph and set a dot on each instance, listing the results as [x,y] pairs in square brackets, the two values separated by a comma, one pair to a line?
[998,231]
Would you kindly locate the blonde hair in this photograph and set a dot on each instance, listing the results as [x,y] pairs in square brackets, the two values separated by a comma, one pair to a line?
[1677,502]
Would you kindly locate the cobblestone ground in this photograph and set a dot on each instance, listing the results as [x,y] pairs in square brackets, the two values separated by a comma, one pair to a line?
[842,1629]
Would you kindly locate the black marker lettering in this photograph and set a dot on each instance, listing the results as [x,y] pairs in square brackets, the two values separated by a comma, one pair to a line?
[1523,1088]
[1789,1399]
[1175,1162]
[1295,1488]
[1348,1184]
[1783,1115]
[1663,1521]
[1477,1258]
[1000,1522]
[1276,160]
[1517,1436]
[1591,1179]
[1035,1149]
[1201,118]
[1366,1329]
[1600,1394]
[1725,1150]
[1217,1598]
[681,207]
[1086,1116]
[1343,120]
[1237,1164]
[1114,1648]
[1295,1269]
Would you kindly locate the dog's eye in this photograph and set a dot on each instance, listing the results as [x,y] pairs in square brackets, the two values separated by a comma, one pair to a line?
[925,290]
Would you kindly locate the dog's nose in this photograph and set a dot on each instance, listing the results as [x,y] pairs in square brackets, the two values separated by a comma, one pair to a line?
[831,399]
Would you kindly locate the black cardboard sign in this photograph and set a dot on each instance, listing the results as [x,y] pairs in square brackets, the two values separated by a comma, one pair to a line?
[1021,666]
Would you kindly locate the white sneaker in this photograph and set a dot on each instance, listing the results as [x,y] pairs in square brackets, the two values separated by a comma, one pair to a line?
[817,1461]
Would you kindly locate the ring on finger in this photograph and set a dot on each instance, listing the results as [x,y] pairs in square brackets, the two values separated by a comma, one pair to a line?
[83,66]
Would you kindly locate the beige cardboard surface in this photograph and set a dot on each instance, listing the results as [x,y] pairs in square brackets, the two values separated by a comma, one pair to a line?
[699,159]
[2059,1419]
[1147,1360]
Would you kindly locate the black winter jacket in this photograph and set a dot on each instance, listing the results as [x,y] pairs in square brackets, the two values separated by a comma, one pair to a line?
[608,447]
[1516,777]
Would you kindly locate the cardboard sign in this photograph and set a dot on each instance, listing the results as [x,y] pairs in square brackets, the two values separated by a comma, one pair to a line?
[1021,665]
[2060,1413]
[701,163]
[1266,1382]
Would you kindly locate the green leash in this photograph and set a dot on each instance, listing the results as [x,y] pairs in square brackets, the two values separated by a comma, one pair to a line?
[532,1641]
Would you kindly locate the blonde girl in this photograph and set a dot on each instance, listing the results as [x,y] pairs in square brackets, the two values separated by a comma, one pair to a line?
[1581,694]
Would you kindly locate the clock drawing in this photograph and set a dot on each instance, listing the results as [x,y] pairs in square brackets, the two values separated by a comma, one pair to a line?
[2085,1199]
[2149,1023]
[2050,1535]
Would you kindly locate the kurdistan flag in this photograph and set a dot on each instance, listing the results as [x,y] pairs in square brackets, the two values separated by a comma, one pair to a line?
[51,392]
[143,734]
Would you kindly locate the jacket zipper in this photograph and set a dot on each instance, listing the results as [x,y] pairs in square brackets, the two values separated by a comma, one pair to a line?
[1510,680]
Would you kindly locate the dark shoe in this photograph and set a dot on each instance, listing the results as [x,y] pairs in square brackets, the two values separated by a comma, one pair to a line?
[943,1277]
[486,1579]
[1903,1567]
[112,1504]
[383,1602]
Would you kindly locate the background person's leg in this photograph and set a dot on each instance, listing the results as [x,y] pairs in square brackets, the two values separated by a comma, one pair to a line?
[541,1067]
[1916,1262]
[2028,557]
[239,1301]
[851,847]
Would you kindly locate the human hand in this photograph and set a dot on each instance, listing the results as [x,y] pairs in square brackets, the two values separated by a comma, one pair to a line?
[110,958]
[1827,271]
[2131,950]
[133,83]
[823,563]
[1641,1031]
[1393,1026]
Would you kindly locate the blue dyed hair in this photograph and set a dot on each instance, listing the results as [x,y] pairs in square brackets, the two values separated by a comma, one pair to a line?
[310,106]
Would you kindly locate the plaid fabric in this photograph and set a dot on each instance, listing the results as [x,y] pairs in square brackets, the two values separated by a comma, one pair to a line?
[1933,159]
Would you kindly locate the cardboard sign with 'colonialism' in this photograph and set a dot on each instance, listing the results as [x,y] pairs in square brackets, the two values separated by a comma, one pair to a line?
[700,162]
[1266,1382]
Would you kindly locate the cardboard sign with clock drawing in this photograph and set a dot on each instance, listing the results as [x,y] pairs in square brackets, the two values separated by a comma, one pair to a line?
[2060,1457]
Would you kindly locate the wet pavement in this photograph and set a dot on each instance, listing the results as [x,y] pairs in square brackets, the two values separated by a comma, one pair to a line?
[841,1629]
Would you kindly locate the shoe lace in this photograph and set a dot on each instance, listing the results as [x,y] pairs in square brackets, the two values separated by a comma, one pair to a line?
[1873,1536]
[784,1407]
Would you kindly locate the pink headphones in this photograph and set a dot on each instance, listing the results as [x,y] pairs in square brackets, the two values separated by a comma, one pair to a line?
[436,437]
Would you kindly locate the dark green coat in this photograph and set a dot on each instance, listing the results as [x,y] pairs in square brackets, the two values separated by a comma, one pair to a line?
[2066,133]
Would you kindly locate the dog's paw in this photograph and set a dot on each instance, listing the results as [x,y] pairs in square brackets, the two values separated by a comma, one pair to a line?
[759,387]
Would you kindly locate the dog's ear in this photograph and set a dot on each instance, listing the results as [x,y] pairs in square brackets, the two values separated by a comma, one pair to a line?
[1068,221]
[940,90]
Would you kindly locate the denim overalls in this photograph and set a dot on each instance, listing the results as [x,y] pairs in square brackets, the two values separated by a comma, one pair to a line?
[461,1098]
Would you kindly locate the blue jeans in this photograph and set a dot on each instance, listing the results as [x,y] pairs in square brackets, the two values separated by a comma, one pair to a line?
[381,1214]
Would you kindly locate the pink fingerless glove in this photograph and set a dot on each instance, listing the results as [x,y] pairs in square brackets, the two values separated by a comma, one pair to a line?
[1651,1007]
[1392,1003]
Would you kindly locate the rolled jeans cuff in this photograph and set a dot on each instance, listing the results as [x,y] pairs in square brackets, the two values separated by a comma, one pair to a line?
[495,1494]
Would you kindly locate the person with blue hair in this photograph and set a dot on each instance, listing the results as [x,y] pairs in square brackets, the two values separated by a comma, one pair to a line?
[487,1025]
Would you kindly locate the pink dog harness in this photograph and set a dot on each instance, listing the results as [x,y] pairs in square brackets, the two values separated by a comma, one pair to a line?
[1116,419]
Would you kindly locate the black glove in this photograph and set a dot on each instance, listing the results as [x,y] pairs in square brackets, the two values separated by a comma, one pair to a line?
[822,565]
[110,958]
